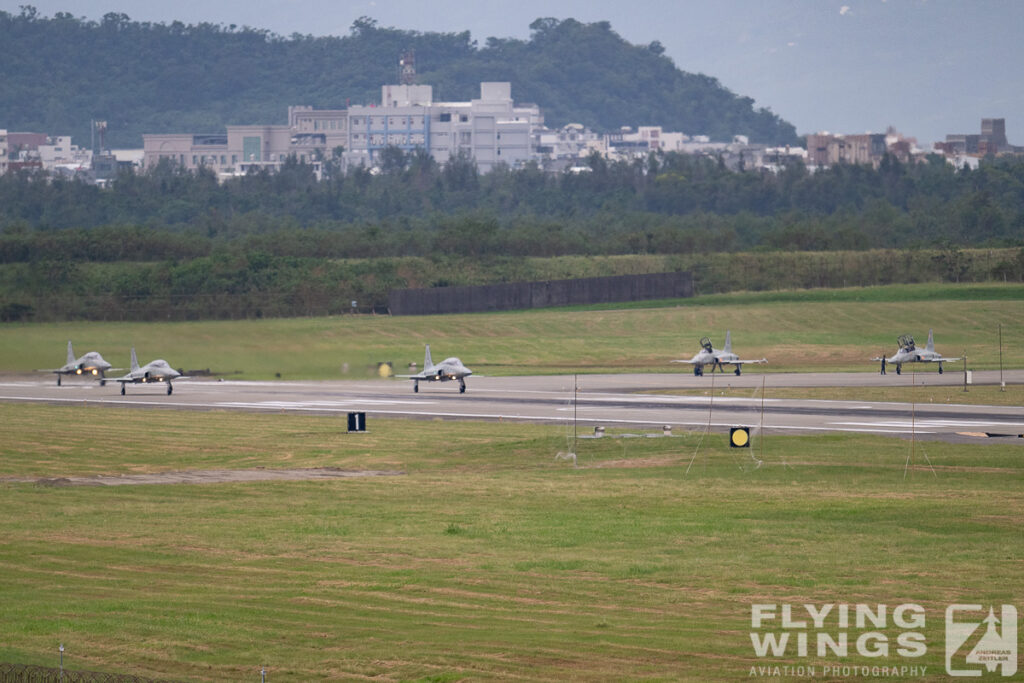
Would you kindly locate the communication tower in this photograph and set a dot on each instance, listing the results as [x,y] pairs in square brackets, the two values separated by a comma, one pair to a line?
[407,67]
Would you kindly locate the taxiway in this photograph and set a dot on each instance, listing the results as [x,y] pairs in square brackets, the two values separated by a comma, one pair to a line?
[621,400]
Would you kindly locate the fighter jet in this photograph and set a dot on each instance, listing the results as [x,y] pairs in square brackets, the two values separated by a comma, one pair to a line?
[909,353]
[91,363]
[448,369]
[708,355]
[154,371]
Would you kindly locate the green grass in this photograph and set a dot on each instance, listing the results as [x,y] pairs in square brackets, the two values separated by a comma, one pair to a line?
[487,559]
[813,330]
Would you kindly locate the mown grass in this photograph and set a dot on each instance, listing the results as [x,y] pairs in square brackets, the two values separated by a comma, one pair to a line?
[487,559]
[814,330]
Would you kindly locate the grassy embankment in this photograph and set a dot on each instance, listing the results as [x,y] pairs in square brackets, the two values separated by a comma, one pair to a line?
[487,559]
[806,330]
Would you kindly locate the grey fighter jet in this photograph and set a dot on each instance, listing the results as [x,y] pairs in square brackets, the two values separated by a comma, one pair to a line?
[708,355]
[154,371]
[91,364]
[909,353]
[448,369]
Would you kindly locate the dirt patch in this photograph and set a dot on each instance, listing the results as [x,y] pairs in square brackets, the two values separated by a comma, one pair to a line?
[206,477]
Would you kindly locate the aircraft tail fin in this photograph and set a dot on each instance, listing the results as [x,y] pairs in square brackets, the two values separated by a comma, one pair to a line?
[71,354]
[427,363]
[728,342]
[931,342]
[135,360]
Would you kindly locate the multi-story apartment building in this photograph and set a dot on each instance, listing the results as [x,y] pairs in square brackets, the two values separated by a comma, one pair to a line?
[825,149]
[491,129]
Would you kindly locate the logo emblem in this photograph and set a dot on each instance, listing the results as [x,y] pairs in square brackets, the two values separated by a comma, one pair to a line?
[976,642]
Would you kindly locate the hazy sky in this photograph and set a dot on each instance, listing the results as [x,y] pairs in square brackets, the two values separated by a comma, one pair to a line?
[927,67]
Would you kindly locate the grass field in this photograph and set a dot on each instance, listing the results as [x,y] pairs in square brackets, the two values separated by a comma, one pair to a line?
[812,330]
[487,559]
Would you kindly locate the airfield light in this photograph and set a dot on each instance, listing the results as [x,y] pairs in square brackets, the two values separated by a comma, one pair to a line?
[95,371]
[739,437]
[78,371]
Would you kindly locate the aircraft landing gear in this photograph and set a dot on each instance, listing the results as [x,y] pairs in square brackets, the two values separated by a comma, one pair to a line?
[738,370]
[415,387]
[462,386]
[899,368]
[58,380]
[940,368]
[170,388]
[122,388]
[698,371]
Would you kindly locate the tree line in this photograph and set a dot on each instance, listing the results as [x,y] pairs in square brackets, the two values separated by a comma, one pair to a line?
[665,204]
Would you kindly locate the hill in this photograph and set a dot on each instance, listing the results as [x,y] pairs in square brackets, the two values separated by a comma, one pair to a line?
[61,72]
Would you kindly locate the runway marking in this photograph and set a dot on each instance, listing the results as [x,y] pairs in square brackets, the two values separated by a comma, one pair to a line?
[935,423]
[292,405]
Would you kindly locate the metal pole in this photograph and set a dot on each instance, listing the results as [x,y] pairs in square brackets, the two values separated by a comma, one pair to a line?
[62,661]
[1002,384]
[760,431]
[965,370]
[574,388]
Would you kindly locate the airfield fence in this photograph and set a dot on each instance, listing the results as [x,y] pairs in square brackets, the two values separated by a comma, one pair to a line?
[28,673]
[544,294]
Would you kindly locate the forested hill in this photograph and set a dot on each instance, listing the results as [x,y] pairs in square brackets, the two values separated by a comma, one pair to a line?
[60,72]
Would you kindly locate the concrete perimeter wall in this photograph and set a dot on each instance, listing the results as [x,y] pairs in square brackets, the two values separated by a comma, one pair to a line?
[522,295]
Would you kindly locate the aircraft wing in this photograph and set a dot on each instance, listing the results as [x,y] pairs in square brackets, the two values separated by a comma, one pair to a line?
[742,362]
[940,360]
[688,362]
[417,376]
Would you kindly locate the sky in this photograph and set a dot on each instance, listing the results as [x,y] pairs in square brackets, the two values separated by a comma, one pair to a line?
[924,67]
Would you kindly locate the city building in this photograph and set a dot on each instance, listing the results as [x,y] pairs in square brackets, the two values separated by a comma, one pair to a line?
[991,141]
[491,130]
[826,149]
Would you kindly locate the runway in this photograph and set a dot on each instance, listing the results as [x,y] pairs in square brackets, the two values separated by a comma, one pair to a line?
[621,400]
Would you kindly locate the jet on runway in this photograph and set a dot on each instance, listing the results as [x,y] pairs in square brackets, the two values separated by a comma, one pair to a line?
[91,363]
[154,371]
[909,353]
[448,369]
[708,355]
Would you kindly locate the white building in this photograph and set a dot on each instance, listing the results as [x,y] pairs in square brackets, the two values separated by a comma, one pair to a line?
[59,154]
[491,130]
[3,151]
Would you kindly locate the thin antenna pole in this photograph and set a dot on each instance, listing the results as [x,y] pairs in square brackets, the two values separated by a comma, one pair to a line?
[1002,384]
[965,371]
[760,429]
[707,427]
[913,415]
[574,388]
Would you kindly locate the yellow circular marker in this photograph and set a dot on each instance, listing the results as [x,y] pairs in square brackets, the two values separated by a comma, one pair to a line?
[739,437]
